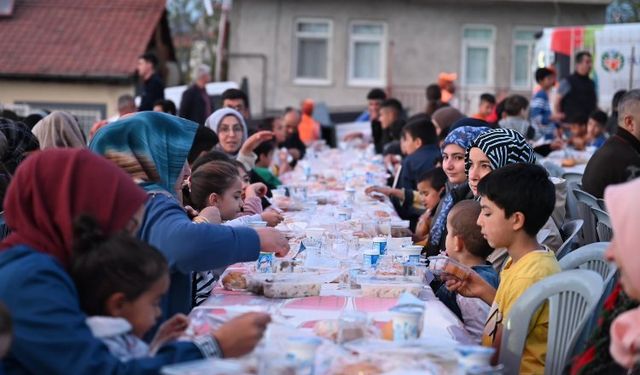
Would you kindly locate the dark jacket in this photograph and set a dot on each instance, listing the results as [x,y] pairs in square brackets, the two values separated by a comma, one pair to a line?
[193,105]
[294,141]
[391,134]
[581,99]
[416,164]
[617,161]
[152,91]
[376,134]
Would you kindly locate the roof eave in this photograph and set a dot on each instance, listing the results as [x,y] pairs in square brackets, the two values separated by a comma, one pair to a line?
[67,78]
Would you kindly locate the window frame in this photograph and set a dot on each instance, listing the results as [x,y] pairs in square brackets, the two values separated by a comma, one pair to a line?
[297,35]
[489,44]
[353,39]
[531,45]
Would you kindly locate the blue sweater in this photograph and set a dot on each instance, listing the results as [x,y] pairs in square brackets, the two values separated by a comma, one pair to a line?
[50,335]
[191,247]
[416,164]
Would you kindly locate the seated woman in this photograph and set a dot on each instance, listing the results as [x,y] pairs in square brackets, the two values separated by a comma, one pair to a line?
[140,145]
[50,334]
[59,130]
[496,149]
[233,136]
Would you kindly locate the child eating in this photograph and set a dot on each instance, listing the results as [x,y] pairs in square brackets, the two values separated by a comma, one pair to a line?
[466,245]
[431,187]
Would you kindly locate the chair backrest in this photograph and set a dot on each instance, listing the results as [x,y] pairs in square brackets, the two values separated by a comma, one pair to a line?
[589,257]
[570,294]
[569,231]
[603,224]
[584,203]
[601,204]
[573,180]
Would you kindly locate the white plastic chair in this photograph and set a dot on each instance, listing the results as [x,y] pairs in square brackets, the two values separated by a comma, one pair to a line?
[573,182]
[589,257]
[585,202]
[569,231]
[603,224]
[571,295]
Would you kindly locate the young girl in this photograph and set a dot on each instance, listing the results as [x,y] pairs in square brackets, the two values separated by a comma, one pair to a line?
[120,282]
[431,187]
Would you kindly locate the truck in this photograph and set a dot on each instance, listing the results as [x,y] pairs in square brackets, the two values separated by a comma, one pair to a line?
[615,49]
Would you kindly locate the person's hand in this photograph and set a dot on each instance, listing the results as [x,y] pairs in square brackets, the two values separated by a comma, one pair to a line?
[212,214]
[557,144]
[378,189]
[272,218]
[240,335]
[257,189]
[273,241]
[472,286]
[254,141]
[169,331]
[191,212]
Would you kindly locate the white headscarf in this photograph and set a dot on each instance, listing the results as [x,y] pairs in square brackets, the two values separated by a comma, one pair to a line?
[213,121]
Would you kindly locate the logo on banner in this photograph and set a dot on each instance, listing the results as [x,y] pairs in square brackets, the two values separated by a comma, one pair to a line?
[612,61]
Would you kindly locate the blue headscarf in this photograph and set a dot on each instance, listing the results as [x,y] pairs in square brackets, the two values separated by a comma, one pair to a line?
[462,136]
[151,146]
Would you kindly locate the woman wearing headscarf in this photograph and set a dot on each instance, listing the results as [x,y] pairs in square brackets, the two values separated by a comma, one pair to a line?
[50,335]
[152,147]
[233,139]
[495,149]
[59,130]
[623,204]
[453,150]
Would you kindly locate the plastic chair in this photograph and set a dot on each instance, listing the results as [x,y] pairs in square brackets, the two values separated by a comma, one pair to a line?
[569,231]
[585,202]
[589,257]
[603,224]
[573,180]
[571,295]
[601,204]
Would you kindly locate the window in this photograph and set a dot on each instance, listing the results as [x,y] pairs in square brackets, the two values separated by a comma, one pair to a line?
[367,53]
[313,37]
[477,55]
[522,58]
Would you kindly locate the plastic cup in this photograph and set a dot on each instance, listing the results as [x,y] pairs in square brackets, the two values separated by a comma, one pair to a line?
[406,324]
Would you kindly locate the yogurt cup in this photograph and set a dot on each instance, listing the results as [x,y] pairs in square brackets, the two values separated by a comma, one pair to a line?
[380,245]
[406,324]
[474,356]
[302,350]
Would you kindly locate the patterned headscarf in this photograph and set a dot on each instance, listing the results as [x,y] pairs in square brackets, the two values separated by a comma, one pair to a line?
[151,146]
[470,122]
[19,141]
[59,130]
[463,135]
[502,147]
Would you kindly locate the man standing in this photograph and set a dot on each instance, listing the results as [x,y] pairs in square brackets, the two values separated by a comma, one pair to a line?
[152,86]
[577,93]
[618,160]
[196,104]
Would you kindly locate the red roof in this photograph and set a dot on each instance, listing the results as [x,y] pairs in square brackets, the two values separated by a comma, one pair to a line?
[77,39]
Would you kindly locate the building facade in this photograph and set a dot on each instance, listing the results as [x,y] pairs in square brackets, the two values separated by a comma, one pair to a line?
[335,51]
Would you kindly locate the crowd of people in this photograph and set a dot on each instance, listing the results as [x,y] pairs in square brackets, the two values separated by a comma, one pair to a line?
[110,240]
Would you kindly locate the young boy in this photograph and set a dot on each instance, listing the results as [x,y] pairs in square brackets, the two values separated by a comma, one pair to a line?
[265,152]
[431,187]
[419,142]
[466,245]
[515,107]
[578,131]
[596,129]
[486,106]
[516,201]
[540,112]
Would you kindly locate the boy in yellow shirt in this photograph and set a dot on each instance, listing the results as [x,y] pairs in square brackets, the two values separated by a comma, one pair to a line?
[516,201]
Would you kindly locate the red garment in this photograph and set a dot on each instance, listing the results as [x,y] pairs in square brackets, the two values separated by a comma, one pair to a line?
[51,188]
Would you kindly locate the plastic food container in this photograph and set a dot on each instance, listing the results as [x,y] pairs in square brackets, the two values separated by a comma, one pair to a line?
[442,265]
[388,287]
[290,289]
[406,254]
